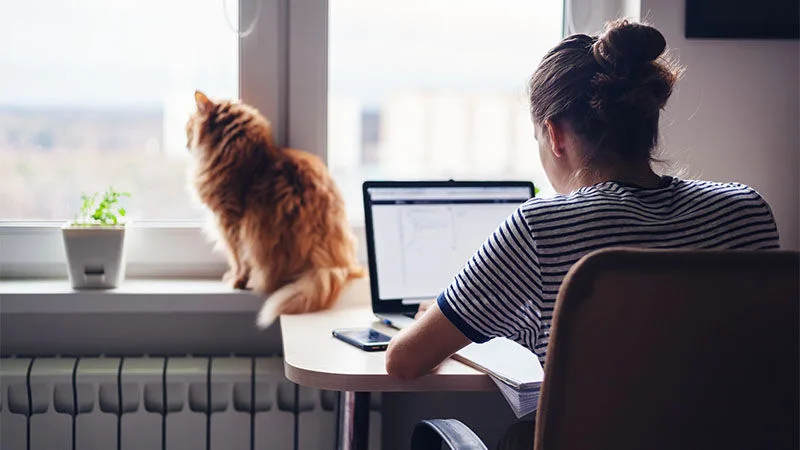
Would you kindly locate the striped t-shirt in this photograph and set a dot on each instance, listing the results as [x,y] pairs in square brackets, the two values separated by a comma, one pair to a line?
[509,287]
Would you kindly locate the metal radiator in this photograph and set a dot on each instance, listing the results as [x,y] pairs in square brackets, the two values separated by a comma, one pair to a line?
[167,403]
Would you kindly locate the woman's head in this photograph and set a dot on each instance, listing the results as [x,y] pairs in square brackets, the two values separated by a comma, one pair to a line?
[603,94]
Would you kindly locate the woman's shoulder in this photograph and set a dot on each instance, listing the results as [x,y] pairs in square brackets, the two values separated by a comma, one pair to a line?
[582,198]
[728,189]
[561,207]
[601,196]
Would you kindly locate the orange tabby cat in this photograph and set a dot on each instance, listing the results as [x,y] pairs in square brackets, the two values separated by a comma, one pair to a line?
[279,215]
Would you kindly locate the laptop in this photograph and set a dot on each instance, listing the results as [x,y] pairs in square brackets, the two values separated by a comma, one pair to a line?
[419,236]
[421,233]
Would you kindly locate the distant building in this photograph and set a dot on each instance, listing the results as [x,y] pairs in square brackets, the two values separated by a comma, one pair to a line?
[370,136]
[344,134]
[438,134]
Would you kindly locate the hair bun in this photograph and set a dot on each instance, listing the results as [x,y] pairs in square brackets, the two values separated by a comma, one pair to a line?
[626,44]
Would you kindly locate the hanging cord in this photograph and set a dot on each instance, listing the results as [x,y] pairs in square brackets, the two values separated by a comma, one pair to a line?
[250,28]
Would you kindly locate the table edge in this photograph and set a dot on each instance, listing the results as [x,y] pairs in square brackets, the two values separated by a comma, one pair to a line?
[378,382]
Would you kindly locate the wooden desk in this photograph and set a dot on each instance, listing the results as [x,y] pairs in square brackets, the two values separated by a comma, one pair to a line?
[314,358]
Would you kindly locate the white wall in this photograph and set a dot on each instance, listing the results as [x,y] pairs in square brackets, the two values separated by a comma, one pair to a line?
[736,113]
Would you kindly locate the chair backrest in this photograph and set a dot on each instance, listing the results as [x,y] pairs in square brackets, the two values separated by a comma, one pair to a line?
[674,349]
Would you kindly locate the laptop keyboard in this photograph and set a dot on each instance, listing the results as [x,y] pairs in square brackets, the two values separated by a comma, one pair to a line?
[410,314]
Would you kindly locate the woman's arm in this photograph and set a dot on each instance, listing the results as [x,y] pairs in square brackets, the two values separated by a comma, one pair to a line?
[421,347]
[493,295]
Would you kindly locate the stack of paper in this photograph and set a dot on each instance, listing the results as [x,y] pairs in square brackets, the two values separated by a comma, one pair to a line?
[521,401]
[515,369]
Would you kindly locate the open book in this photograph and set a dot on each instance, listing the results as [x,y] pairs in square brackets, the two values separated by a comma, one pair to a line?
[515,369]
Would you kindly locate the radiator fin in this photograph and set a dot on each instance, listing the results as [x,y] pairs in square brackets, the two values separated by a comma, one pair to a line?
[13,389]
[48,429]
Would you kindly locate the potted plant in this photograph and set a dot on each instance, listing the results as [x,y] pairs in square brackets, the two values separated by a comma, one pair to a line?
[95,242]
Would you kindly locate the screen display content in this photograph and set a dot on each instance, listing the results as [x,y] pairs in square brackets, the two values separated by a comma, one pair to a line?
[424,236]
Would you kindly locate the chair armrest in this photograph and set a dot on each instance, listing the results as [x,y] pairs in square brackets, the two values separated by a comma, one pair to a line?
[431,433]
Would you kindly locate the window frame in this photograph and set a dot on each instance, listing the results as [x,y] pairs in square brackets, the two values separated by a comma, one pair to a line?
[268,58]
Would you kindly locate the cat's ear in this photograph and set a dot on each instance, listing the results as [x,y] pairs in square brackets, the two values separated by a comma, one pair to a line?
[203,102]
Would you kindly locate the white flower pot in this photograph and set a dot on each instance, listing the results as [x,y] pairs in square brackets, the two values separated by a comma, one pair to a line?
[95,255]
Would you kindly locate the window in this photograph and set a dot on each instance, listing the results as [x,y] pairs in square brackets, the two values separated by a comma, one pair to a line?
[96,93]
[434,90]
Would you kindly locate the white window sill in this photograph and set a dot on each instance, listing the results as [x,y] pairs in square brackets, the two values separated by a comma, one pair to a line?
[133,296]
[158,251]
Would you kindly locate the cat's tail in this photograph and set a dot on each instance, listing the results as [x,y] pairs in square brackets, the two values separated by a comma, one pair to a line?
[315,290]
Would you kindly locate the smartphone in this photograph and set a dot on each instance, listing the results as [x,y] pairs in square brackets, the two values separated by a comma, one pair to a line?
[366,339]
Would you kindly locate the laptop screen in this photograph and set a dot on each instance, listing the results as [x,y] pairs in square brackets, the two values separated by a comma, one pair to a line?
[419,236]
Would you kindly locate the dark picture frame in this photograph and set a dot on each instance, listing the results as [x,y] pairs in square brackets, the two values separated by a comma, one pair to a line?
[740,19]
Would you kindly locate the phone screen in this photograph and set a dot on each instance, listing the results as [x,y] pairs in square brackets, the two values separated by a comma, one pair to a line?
[364,338]
[368,336]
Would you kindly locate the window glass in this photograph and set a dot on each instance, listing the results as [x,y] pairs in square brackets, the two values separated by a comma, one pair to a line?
[434,89]
[96,93]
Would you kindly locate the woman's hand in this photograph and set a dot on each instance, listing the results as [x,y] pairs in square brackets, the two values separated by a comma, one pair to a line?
[423,306]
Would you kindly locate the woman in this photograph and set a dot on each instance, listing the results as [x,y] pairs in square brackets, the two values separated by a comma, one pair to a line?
[595,104]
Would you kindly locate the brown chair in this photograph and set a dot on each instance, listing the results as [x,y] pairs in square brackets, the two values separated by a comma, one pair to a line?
[666,349]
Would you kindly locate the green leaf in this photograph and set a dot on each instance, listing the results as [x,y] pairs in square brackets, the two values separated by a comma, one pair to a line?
[101,208]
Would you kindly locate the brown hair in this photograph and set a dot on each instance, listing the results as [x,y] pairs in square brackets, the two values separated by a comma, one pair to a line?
[609,89]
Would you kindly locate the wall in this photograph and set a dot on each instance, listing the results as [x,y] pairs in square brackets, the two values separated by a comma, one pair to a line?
[736,114]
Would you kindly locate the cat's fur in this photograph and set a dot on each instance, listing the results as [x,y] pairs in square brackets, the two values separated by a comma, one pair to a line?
[280,217]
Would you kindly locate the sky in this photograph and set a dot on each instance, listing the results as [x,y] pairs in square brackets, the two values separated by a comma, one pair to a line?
[140,52]
[109,52]
[471,45]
